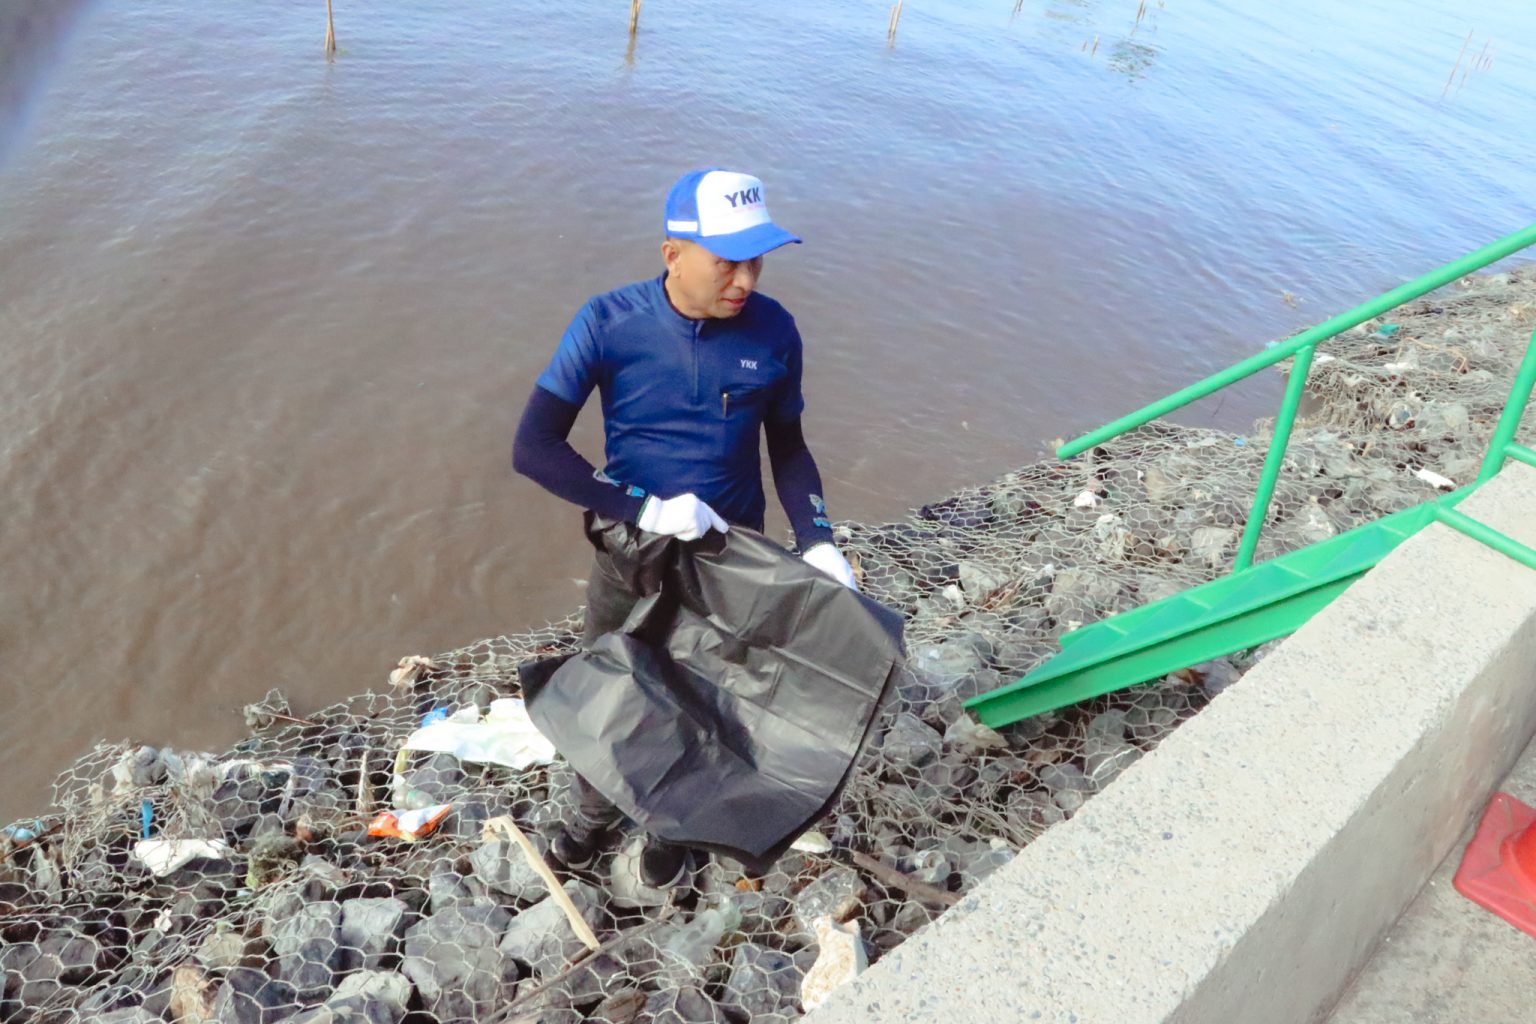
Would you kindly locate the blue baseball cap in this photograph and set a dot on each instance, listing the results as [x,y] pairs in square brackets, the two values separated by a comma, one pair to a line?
[724,212]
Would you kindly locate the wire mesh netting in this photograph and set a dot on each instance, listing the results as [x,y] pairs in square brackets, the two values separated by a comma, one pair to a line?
[266,900]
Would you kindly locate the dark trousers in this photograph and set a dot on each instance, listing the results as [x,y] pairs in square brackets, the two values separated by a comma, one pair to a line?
[609,603]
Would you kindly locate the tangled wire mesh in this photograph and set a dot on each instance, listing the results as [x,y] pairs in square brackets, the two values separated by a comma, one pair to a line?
[267,900]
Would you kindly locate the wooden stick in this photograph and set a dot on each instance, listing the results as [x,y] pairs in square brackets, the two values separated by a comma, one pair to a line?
[920,891]
[890,33]
[1457,65]
[504,824]
[634,16]
[330,30]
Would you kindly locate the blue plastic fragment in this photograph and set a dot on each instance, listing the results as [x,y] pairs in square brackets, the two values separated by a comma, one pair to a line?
[435,715]
[1387,330]
[21,834]
[146,815]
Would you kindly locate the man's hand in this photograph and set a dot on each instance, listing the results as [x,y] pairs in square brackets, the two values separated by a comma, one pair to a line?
[684,517]
[829,560]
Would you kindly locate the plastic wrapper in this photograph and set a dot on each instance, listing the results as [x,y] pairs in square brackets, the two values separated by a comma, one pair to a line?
[408,825]
[728,710]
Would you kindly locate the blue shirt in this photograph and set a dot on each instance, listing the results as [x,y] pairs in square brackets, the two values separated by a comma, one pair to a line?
[684,401]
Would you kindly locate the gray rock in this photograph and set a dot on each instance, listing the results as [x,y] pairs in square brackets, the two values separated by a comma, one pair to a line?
[386,986]
[446,890]
[1146,725]
[686,1005]
[975,860]
[467,820]
[1027,730]
[910,743]
[622,1007]
[1016,656]
[945,664]
[1080,594]
[248,996]
[979,580]
[542,936]
[70,957]
[1152,590]
[1032,812]
[1068,800]
[224,949]
[1065,778]
[1161,482]
[1107,725]
[129,1015]
[370,931]
[1211,545]
[453,960]
[1168,694]
[1311,525]
[502,867]
[368,997]
[549,1015]
[944,712]
[1112,541]
[322,878]
[763,984]
[1216,676]
[1105,760]
[308,948]
[971,737]
[237,803]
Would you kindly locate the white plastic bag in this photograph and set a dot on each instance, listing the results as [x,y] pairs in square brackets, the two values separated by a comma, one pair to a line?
[505,736]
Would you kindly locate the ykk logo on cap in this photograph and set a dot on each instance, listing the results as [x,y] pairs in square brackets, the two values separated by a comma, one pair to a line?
[725,212]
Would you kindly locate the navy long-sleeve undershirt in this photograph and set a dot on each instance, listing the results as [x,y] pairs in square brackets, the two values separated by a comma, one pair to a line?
[542,452]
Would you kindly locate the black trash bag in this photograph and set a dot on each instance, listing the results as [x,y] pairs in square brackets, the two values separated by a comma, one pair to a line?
[728,711]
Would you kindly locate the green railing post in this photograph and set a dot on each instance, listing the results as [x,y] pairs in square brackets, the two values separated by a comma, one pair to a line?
[1485,534]
[1509,419]
[1273,459]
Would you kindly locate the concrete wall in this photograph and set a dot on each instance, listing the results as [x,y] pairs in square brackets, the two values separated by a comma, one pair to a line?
[1247,867]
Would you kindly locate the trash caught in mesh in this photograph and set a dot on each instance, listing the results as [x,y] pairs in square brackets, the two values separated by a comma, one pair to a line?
[289,911]
[728,710]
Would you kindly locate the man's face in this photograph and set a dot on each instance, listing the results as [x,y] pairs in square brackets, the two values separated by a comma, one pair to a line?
[701,284]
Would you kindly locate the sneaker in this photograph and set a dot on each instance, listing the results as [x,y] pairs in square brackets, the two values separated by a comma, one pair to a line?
[577,845]
[662,866]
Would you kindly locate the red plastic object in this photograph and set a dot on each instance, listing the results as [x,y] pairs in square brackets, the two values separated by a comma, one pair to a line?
[1498,870]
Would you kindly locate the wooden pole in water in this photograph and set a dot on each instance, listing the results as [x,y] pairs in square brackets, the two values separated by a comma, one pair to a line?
[634,16]
[330,31]
[890,33]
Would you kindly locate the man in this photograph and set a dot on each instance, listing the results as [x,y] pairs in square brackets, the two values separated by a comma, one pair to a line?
[693,367]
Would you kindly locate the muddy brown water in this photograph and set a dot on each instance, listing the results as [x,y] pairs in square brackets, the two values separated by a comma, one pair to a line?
[267,322]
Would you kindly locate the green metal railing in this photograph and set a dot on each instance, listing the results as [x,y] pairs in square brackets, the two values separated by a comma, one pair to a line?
[1301,348]
[1257,603]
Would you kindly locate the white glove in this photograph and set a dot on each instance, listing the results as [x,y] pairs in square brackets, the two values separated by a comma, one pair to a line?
[829,560]
[684,517]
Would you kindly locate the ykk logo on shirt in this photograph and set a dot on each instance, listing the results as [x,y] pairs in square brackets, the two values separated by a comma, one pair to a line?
[749,364]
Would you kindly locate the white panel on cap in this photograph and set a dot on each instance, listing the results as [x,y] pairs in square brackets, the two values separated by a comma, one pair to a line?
[730,202]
